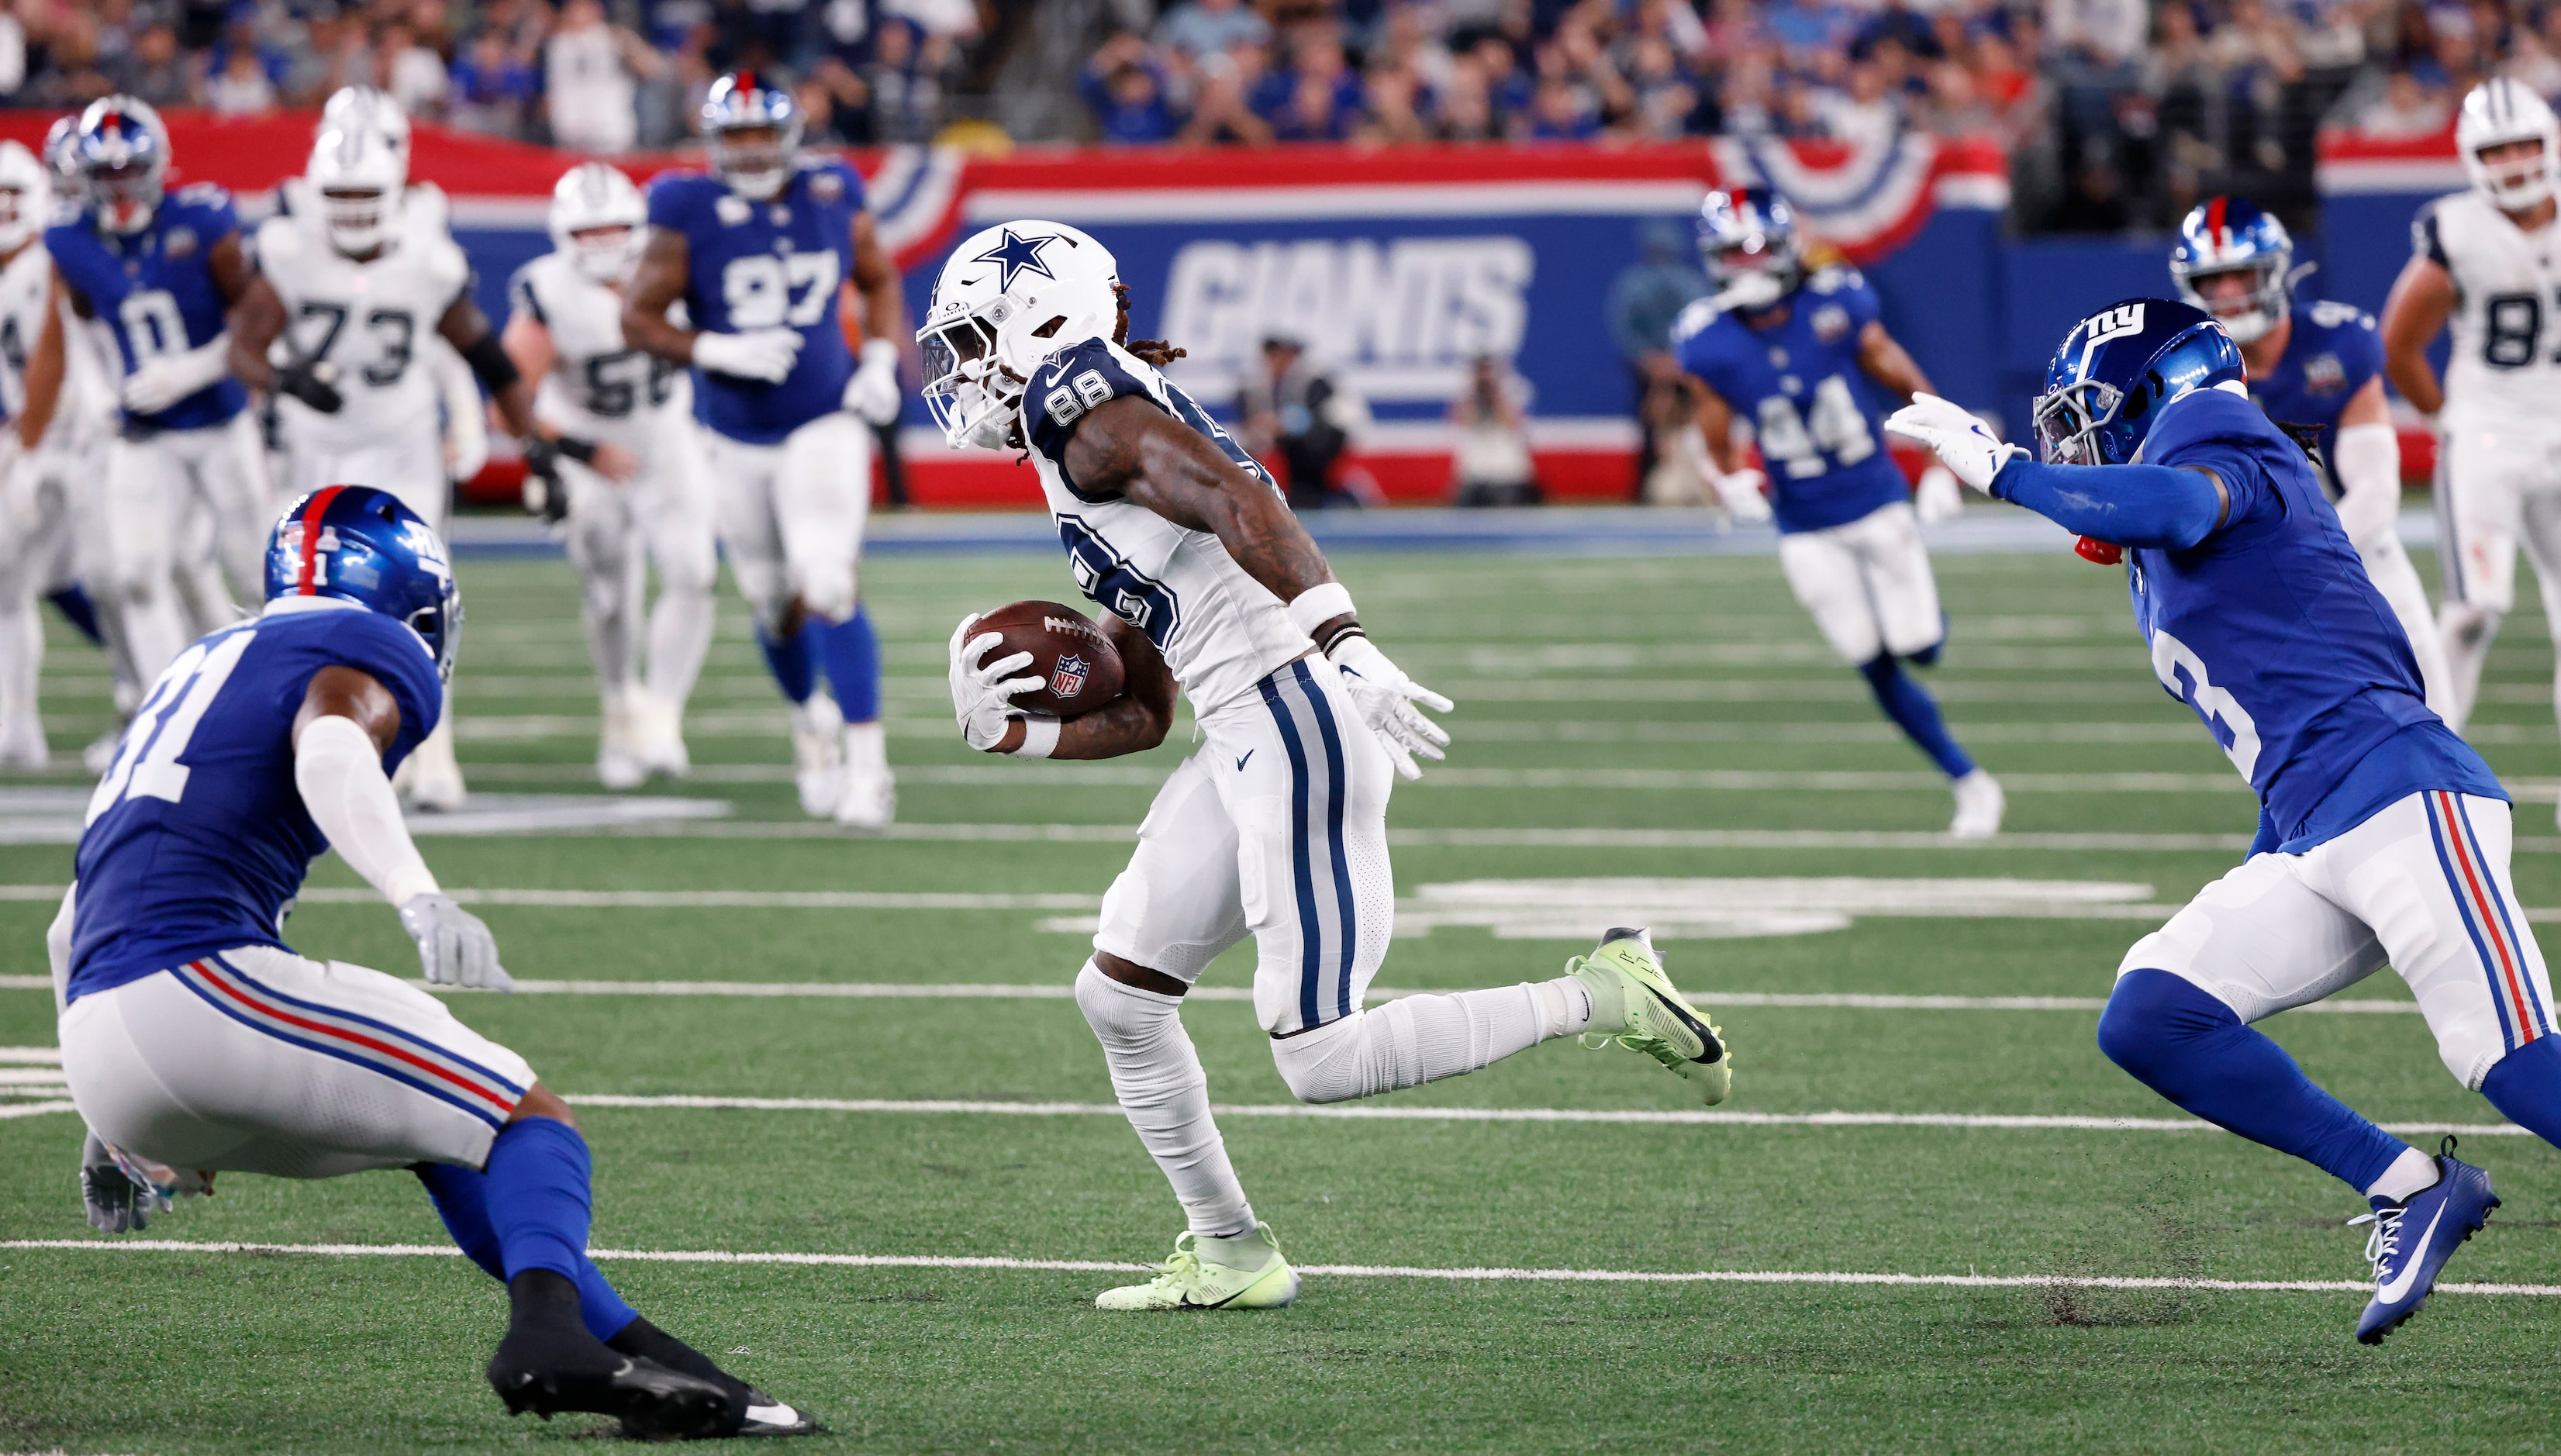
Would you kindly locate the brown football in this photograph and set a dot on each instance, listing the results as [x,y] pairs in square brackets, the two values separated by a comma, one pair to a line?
[1069,655]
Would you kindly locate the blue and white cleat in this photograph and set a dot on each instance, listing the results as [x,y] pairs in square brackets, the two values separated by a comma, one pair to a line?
[2412,1241]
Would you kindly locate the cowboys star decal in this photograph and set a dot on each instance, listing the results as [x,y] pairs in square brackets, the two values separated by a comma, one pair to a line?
[1018,254]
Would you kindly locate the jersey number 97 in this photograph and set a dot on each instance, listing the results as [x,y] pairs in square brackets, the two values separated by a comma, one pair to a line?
[762,291]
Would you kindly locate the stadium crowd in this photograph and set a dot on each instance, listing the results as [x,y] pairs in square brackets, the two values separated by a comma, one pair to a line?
[2116,113]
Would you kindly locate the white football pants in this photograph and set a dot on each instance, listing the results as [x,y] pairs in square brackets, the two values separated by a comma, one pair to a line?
[1867,584]
[793,514]
[614,533]
[2498,487]
[155,487]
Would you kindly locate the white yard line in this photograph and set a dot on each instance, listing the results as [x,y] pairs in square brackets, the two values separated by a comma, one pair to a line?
[1329,1271]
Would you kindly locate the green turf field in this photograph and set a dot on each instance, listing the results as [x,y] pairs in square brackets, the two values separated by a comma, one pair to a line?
[1686,701]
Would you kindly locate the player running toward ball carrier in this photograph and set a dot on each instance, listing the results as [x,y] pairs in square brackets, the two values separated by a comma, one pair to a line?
[1278,827]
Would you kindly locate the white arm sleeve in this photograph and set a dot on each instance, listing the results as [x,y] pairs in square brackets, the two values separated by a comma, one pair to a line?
[340,773]
[205,365]
[2369,478]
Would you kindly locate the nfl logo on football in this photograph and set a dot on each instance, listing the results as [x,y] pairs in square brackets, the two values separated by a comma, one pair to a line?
[1067,678]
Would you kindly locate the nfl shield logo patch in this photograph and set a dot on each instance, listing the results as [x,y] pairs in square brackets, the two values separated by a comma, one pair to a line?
[1067,679]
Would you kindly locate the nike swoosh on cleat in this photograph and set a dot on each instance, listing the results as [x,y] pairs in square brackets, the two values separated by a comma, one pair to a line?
[1706,1038]
[2391,1293]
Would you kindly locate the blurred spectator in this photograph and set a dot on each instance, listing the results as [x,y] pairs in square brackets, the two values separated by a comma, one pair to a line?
[1317,98]
[1490,463]
[410,71]
[1202,29]
[153,69]
[1298,416]
[1222,110]
[241,87]
[1126,91]
[592,70]
[2095,202]
[1868,115]
[906,92]
[2406,109]
[493,89]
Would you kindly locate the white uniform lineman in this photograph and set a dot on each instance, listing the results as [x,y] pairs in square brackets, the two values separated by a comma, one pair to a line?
[597,388]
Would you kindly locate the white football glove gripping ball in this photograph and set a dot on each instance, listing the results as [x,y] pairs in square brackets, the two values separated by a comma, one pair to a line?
[453,947]
[759,354]
[982,693]
[871,396]
[1962,442]
[1741,494]
[1386,698]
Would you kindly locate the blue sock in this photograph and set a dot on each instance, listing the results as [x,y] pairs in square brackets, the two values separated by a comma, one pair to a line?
[537,1196]
[74,603]
[2527,1085]
[1915,712]
[2189,1047]
[460,1196]
[793,664]
[853,666]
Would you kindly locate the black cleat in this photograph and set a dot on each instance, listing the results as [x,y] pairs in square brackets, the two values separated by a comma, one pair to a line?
[755,1413]
[548,1363]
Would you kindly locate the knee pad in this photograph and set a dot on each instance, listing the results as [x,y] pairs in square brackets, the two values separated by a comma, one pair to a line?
[2151,1014]
[1326,1064]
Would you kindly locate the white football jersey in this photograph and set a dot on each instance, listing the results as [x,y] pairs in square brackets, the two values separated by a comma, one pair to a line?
[599,388]
[2505,363]
[369,320]
[1219,630]
[26,282]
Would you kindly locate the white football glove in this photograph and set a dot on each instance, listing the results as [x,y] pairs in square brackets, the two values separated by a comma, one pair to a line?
[1386,698]
[1939,498]
[1962,442]
[982,694]
[759,354]
[1741,494]
[871,396]
[453,946]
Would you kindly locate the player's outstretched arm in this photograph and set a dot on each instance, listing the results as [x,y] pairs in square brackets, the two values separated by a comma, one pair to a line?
[2422,299]
[982,694]
[872,393]
[1884,361]
[347,722]
[2166,506]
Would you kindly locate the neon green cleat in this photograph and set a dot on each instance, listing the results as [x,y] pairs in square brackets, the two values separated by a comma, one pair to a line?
[1636,1006]
[1244,1273]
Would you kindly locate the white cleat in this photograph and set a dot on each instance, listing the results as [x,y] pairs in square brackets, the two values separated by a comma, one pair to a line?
[617,755]
[99,756]
[817,755]
[1978,807]
[22,745]
[870,801]
[430,780]
[1243,1273]
[658,734]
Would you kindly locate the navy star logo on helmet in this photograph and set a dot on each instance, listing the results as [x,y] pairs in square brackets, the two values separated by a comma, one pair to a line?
[1015,253]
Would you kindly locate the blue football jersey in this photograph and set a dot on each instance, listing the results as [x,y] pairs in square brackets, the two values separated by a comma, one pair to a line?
[155,290]
[2332,351]
[2273,632]
[1811,407]
[197,838]
[763,265]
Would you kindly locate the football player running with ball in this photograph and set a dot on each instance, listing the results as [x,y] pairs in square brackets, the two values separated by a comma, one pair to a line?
[1278,827]
[1796,355]
[643,497]
[769,254]
[196,1042]
[2483,259]
[2319,366]
[2383,838]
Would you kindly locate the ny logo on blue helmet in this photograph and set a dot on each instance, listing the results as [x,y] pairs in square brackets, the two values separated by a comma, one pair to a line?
[1747,236]
[2117,368]
[361,545]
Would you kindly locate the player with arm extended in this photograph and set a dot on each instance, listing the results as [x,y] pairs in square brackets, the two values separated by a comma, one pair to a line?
[194,1039]
[160,270]
[1278,827]
[771,254]
[2314,364]
[2482,259]
[2382,836]
[1798,354]
[644,498]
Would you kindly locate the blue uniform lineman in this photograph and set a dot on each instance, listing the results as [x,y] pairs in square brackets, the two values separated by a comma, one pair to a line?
[160,271]
[196,1042]
[764,251]
[2316,366]
[2383,838]
[1799,356]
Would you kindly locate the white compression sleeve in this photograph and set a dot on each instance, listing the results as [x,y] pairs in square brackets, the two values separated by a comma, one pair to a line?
[340,773]
[1410,1040]
[205,365]
[2369,478]
[1158,1077]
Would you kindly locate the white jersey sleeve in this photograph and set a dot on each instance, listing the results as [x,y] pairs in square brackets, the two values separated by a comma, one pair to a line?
[26,285]
[597,387]
[2506,359]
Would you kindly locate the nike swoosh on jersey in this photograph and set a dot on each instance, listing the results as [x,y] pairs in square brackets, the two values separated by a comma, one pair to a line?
[2391,1293]
[1239,764]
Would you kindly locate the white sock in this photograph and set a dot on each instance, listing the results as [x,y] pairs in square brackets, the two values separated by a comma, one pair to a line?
[680,633]
[1158,1077]
[1564,1007]
[2411,1172]
[1410,1040]
[867,751]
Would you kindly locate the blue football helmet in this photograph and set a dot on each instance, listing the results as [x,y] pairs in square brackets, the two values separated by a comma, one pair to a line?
[2228,235]
[361,545]
[740,103]
[2117,368]
[1747,236]
[121,153]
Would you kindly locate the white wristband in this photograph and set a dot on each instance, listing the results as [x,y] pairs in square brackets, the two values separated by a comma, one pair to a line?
[1318,605]
[1040,736]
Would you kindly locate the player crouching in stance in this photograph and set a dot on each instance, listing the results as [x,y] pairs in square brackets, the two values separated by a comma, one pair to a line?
[194,1039]
[1796,354]
[2319,368]
[1278,827]
[2382,836]
[642,498]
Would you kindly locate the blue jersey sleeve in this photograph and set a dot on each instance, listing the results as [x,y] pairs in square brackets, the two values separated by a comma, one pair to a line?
[392,655]
[2218,430]
[1693,338]
[215,215]
[1074,382]
[1848,287]
[2359,345]
[668,203]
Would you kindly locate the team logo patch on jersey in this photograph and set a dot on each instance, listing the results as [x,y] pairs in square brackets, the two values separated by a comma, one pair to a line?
[1067,678]
[826,187]
[2325,375]
[1830,322]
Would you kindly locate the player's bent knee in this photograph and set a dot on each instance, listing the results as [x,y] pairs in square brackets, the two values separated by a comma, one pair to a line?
[542,1101]
[1324,1063]
[2153,1017]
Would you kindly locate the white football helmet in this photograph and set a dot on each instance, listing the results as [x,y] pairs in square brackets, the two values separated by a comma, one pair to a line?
[25,197]
[1007,299]
[2499,112]
[597,220]
[365,105]
[358,172]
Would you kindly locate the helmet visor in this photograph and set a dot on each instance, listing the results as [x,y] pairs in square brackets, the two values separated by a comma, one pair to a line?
[2068,423]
